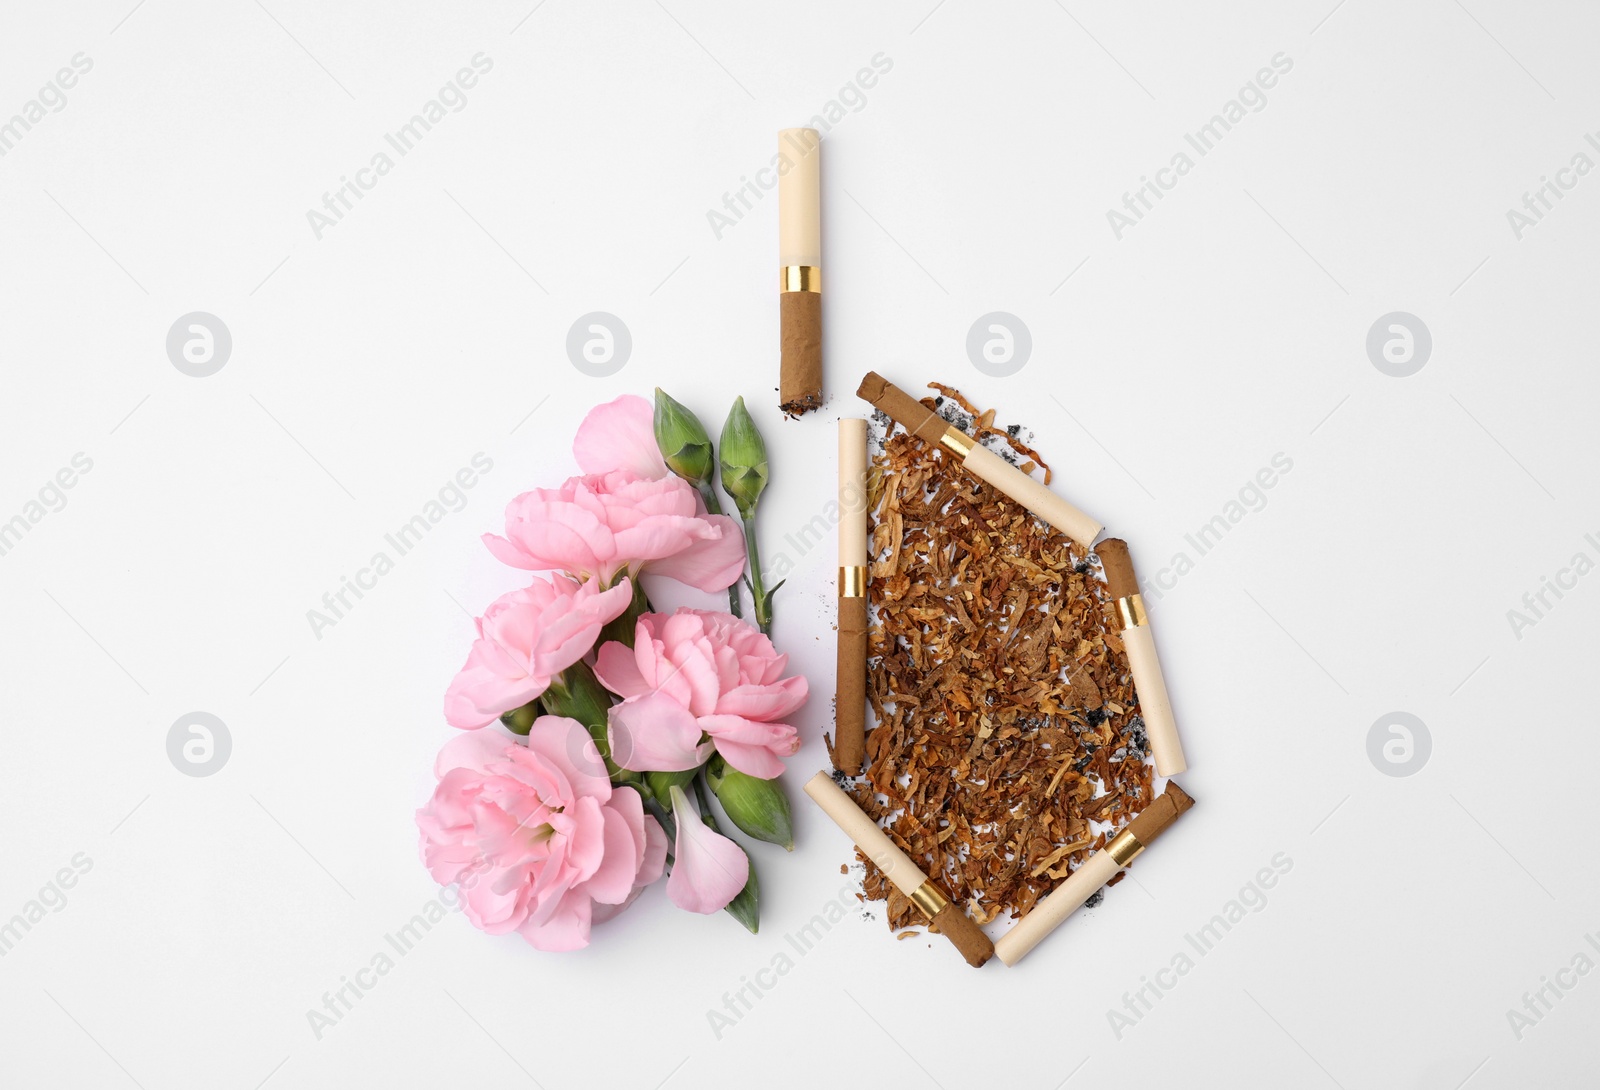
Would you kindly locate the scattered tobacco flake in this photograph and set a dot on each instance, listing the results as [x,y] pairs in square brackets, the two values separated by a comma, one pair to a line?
[1007,747]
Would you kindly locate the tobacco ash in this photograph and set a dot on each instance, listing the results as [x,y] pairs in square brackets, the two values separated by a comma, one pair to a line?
[1007,747]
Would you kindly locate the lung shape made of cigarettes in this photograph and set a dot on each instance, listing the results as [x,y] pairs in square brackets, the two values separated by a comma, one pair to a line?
[850,725]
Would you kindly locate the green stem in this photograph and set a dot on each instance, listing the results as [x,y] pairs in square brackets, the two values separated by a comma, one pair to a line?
[758,590]
[709,494]
[663,814]
[705,804]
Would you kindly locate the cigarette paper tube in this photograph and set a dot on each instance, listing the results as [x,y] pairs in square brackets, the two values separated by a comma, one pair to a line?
[1093,873]
[800,198]
[907,877]
[852,493]
[800,271]
[979,461]
[1148,681]
[903,409]
[850,671]
[989,466]
[1062,902]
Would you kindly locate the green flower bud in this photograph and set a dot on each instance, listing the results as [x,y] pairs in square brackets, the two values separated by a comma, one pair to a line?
[758,807]
[661,783]
[520,720]
[682,439]
[744,460]
[746,904]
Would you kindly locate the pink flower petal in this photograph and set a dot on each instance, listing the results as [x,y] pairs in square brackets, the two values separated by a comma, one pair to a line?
[586,844]
[507,553]
[612,880]
[603,912]
[713,563]
[752,747]
[617,668]
[461,708]
[566,928]
[700,684]
[655,851]
[475,751]
[768,702]
[620,435]
[655,733]
[568,746]
[626,802]
[477,696]
[757,761]
[648,540]
[708,869]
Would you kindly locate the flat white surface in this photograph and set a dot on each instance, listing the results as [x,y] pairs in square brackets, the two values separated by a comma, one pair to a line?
[369,366]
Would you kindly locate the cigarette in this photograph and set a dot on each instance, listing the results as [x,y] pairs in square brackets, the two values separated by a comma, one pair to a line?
[977,460]
[907,877]
[1154,704]
[850,675]
[1093,873]
[800,270]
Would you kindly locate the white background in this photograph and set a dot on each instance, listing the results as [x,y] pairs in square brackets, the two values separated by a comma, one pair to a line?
[370,365]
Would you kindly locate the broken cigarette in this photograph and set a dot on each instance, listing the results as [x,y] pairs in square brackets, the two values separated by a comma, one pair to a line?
[1093,873]
[850,674]
[1148,682]
[978,460]
[907,877]
[800,271]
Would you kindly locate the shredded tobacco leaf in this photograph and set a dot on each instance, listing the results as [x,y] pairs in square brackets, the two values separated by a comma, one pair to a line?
[1007,744]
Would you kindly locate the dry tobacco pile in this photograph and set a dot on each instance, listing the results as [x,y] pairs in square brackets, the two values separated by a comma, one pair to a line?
[1006,718]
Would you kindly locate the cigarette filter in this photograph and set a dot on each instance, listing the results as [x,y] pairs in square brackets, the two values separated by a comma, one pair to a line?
[977,460]
[800,270]
[907,877]
[850,675]
[1148,682]
[1094,872]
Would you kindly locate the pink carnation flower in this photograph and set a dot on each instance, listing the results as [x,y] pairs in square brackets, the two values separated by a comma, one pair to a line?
[603,525]
[698,673]
[537,838]
[525,639]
